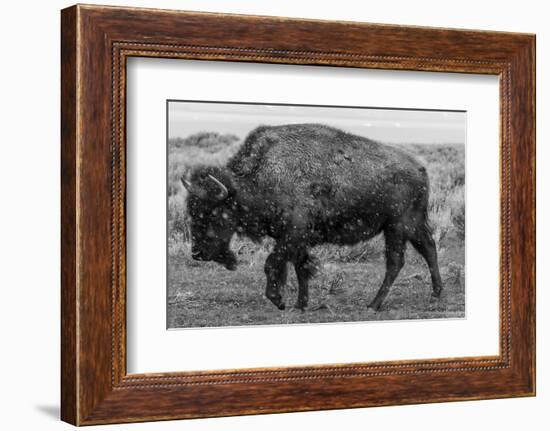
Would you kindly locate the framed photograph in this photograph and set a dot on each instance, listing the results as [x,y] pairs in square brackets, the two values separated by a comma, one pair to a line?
[264,214]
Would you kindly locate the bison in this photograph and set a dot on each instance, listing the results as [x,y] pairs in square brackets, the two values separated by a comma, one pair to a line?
[305,185]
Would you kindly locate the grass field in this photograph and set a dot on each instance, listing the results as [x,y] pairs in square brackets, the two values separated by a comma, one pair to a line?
[205,294]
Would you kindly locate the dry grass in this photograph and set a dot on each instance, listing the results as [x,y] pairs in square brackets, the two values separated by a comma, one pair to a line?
[205,294]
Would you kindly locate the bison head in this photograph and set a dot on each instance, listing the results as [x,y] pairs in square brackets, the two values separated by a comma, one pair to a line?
[211,208]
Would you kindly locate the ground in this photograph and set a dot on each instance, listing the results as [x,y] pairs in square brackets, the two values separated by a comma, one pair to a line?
[206,294]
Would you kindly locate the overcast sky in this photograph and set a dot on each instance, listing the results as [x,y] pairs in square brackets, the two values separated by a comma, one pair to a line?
[386,125]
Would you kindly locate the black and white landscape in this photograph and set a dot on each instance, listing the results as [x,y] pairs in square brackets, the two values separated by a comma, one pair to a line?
[281,214]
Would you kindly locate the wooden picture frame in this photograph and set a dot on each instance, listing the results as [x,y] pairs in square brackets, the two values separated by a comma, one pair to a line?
[95,43]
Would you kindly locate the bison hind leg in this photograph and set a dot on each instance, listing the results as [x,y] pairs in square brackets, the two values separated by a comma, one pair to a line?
[424,243]
[395,259]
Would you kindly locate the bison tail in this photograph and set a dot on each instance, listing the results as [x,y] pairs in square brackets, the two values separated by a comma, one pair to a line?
[426,225]
[421,204]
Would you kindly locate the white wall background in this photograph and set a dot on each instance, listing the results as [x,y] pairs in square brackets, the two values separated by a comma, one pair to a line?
[29,215]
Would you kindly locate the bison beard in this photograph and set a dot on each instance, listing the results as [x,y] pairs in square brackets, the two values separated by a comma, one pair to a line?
[305,185]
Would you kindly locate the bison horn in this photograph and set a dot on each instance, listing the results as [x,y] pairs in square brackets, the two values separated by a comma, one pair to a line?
[223,190]
[191,188]
[186,184]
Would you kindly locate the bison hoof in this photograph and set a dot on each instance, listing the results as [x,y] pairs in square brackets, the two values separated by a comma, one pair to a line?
[435,299]
[436,293]
[278,302]
[300,306]
[375,306]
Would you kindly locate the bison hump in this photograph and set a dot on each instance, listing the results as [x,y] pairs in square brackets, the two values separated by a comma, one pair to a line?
[251,155]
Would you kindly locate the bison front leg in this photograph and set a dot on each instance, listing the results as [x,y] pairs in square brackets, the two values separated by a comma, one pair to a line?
[305,268]
[395,259]
[275,272]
